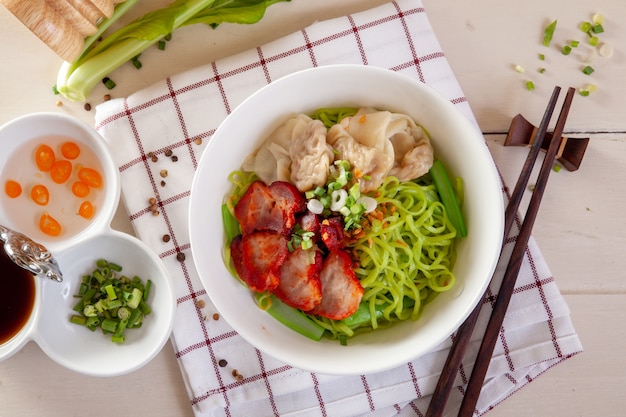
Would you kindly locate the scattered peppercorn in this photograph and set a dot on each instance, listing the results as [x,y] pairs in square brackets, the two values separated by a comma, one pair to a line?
[87,107]
[154,208]
[180,256]
[216,316]
[174,158]
[162,183]
[163,173]
[222,363]
[59,103]
[168,152]
[198,141]
[201,303]
[166,238]
[106,97]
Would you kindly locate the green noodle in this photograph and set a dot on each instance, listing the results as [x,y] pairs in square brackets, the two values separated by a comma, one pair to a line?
[332,115]
[405,259]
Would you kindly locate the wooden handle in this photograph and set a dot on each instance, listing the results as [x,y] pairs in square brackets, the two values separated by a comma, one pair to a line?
[104,6]
[87,9]
[62,24]
[67,10]
[49,26]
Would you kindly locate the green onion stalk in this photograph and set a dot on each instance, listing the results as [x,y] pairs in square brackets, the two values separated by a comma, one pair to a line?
[77,79]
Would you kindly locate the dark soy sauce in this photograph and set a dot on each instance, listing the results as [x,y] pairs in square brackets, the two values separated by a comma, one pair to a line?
[17,297]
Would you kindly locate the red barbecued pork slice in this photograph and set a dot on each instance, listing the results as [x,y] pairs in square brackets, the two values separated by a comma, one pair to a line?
[341,290]
[299,279]
[310,222]
[331,232]
[257,258]
[271,208]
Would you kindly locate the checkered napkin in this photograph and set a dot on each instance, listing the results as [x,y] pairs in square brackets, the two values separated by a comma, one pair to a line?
[157,136]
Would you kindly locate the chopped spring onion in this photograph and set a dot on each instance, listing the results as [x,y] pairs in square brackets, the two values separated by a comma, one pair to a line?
[542,57]
[519,69]
[606,50]
[549,33]
[597,28]
[108,83]
[598,19]
[135,61]
[541,70]
[566,50]
[585,27]
[315,206]
[587,90]
[530,86]
[593,41]
[111,301]
[588,70]
[574,44]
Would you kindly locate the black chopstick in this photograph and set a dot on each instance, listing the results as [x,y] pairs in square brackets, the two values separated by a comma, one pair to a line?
[464,333]
[475,384]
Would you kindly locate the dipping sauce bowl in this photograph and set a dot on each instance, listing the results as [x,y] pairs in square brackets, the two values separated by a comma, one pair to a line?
[81,205]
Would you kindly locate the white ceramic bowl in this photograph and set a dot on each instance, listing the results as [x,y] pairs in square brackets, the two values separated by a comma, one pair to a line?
[456,141]
[76,251]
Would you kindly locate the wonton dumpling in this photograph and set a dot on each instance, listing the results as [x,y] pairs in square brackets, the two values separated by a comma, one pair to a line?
[296,152]
[310,155]
[362,140]
[413,152]
[387,144]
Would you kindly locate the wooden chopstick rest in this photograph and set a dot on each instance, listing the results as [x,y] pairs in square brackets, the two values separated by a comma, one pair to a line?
[571,150]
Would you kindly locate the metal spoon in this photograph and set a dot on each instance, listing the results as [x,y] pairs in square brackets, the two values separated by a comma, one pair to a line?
[30,255]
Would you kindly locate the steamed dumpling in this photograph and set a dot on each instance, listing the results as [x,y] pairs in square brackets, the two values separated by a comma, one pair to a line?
[362,140]
[413,153]
[380,143]
[296,152]
[310,155]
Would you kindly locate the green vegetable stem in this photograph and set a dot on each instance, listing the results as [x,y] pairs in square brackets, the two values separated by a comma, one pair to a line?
[448,197]
[76,80]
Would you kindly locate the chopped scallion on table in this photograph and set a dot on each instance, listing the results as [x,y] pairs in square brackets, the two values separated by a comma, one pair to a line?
[588,70]
[549,33]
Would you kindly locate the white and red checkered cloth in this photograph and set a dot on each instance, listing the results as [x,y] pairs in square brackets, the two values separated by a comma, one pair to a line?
[172,114]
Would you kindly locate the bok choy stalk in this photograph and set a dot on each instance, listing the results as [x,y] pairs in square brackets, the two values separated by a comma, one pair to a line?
[77,79]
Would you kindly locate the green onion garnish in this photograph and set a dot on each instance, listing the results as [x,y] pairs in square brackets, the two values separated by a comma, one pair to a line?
[588,70]
[109,83]
[549,33]
[110,301]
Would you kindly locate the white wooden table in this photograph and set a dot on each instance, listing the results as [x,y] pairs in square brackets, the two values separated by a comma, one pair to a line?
[581,228]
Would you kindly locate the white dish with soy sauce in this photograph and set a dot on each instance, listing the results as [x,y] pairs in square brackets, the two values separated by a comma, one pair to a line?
[61,188]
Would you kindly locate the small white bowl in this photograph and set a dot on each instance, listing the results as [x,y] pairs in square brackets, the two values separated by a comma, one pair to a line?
[456,141]
[76,250]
